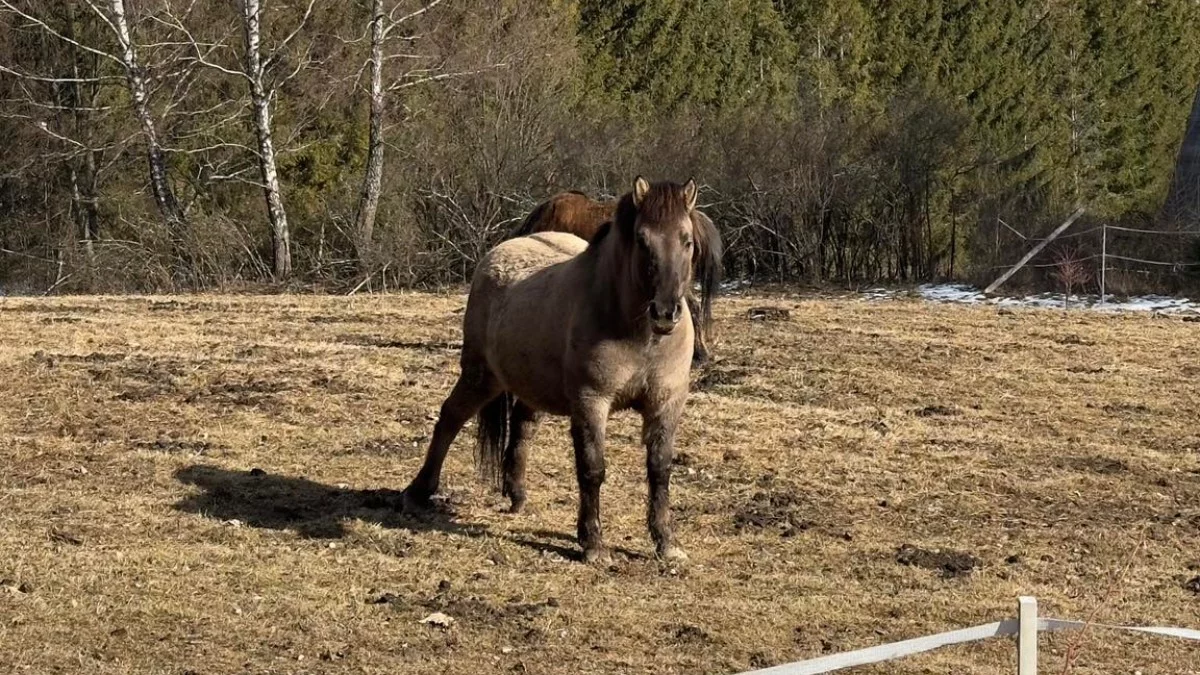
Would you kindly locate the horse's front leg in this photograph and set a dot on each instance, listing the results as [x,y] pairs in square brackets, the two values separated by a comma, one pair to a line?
[587,434]
[658,434]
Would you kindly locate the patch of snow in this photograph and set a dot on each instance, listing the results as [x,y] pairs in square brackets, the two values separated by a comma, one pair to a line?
[969,295]
[735,284]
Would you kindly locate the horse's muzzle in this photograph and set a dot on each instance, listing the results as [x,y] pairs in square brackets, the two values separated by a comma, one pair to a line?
[664,316]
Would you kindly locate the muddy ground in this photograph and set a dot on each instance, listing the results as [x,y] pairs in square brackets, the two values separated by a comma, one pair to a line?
[206,484]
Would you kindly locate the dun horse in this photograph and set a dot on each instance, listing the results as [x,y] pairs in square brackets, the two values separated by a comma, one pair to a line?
[576,213]
[555,325]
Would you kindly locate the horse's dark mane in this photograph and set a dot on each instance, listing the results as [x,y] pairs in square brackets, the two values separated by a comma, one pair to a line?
[707,263]
[598,238]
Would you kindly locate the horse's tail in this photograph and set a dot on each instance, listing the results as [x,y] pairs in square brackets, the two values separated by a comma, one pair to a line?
[707,265]
[491,437]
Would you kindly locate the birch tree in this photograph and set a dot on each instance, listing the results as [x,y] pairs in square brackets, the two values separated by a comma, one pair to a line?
[124,54]
[384,23]
[388,19]
[262,94]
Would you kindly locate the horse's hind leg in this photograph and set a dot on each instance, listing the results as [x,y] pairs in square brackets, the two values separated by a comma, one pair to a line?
[700,347]
[474,388]
[522,425]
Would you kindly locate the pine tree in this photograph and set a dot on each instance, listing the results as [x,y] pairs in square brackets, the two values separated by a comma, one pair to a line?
[660,54]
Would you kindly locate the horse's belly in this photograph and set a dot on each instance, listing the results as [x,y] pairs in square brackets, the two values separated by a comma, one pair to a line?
[530,369]
[526,339]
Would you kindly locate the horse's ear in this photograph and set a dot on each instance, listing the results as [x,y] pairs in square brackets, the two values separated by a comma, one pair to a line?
[690,192]
[640,188]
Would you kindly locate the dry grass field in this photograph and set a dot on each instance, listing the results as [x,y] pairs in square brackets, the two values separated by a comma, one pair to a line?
[204,484]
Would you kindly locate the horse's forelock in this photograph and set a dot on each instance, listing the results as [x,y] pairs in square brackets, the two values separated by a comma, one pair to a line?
[664,204]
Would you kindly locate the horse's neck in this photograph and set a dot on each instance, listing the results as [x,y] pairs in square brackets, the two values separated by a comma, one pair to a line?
[611,290]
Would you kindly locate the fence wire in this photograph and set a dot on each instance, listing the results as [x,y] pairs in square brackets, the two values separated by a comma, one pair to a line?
[1104,256]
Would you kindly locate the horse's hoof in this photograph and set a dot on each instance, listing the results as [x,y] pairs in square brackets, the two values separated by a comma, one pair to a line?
[597,556]
[673,554]
[414,501]
[516,498]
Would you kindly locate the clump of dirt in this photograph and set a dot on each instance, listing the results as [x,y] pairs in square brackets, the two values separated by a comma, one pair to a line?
[686,632]
[13,586]
[59,319]
[361,317]
[1117,408]
[63,309]
[52,360]
[63,537]
[252,392]
[1074,340]
[386,343]
[523,618]
[768,314]
[949,563]
[145,378]
[335,384]
[1190,522]
[773,510]
[143,394]
[937,411]
[717,376]
[1104,466]
[384,447]
[177,446]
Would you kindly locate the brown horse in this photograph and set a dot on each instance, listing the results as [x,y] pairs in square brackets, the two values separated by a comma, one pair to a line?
[578,214]
[560,326]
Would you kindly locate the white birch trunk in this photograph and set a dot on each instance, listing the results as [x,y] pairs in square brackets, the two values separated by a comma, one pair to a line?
[260,101]
[368,203]
[164,196]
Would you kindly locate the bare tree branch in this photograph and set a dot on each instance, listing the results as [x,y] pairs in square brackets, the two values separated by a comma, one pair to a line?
[45,27]
[442,76]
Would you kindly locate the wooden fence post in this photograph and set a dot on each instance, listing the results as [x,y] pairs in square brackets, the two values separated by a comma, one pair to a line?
[1035,250]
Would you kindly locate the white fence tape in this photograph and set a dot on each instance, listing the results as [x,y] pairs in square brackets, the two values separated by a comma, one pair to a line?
[1054,625]
[862,657]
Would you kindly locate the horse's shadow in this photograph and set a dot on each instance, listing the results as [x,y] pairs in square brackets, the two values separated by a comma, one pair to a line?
[313,510]
[317,511]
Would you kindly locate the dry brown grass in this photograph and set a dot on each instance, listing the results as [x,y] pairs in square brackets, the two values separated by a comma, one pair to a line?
[1042,446]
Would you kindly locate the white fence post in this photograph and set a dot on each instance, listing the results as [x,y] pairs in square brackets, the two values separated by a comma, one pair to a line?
[1103,260]
[1027,653]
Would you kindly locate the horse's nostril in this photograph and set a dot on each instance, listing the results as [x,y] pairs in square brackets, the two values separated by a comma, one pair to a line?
[665,312]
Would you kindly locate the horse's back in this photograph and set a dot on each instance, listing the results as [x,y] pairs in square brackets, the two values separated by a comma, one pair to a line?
[514,260]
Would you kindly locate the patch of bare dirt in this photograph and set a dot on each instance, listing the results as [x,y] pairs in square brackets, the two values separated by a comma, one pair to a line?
[768,314]
[949,563]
